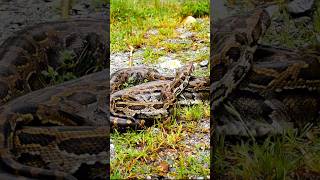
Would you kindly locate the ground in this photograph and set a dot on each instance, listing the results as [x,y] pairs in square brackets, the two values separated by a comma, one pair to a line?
[295,153]
[178,148]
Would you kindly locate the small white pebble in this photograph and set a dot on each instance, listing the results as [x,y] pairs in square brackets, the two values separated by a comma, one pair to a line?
[189,20]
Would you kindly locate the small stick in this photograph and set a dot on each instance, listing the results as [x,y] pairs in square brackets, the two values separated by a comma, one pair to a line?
[130,56]
[65,7]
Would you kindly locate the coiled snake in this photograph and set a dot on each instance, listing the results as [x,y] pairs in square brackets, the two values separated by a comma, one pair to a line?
[260,90]
[58,132]
[62,131]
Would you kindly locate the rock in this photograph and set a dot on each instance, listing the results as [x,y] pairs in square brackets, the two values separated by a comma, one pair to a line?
[303,20]
[204,63]
[112,151]
[169,63]
[179,41]
[186,35]
[273,9]
[300,8]
[318,38]
[155,130]
[153,32]
[189,20]
[220,10]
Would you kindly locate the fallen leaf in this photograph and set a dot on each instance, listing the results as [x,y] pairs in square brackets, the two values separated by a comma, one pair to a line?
[164,167]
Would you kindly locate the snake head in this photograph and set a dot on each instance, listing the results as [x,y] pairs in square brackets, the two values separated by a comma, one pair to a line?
[178,84]
[181,80]
[228,49]
[233,38]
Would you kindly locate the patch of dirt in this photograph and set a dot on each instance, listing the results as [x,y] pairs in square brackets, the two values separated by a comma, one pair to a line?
[202,137]
[18,14]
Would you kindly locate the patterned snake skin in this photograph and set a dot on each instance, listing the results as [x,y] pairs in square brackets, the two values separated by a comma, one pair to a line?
[280,92]
[266,92]
[138,106]
[61,131]
[58,132]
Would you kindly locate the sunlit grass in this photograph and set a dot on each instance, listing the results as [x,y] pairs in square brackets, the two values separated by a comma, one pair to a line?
[151,27]
[131,20]
[138,154]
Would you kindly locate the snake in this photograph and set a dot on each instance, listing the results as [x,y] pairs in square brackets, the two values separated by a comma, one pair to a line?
[61,131]
[234,41]
[51,131]
[280,92]
[140,105]
[266,92]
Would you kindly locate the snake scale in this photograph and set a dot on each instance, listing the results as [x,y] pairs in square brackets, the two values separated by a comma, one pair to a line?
[267,91]
[61,131]
[140,105]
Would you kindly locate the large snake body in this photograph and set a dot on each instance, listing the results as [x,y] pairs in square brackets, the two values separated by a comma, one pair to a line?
[59,131]
[234,41]
[258,90]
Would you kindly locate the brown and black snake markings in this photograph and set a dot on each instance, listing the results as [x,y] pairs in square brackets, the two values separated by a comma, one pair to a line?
[277,90]
[234,42]
[140,105]
[61,131]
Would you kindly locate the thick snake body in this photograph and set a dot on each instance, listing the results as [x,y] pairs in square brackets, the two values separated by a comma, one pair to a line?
[146,93]
[59,131]
[234,41]
[280,92]
[62,131]
[269,92]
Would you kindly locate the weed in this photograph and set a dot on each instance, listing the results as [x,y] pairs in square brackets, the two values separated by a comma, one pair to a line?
[138,153]
[316,18]
[150,26]
[152,56]
[195,8]
[195,112]
[276,157]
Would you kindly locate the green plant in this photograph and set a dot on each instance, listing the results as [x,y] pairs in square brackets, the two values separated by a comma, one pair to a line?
[195,8]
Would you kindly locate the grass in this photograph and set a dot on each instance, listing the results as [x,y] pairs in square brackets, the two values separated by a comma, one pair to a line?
[292,33]
[195,8]
[163,150]
[275,158]
[293,155]
[132,21]
[316,18]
